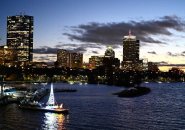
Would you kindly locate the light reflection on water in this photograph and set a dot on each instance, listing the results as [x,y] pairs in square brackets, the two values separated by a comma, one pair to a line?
[53,121]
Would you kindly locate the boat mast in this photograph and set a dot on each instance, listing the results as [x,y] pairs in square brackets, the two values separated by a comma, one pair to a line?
[51,100]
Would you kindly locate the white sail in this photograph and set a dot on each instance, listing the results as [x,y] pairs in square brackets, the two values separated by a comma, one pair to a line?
[51,100]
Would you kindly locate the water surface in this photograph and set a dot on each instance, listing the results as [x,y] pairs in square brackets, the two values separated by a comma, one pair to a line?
[94,107]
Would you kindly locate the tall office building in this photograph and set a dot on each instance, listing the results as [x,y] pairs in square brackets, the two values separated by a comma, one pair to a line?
[69,59]
[130,52]
[95,61]
[62,58]
[76,60]
[20,36]
[130,48]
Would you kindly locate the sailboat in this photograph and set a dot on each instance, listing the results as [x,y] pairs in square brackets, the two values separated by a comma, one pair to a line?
[51,105]
[51,101]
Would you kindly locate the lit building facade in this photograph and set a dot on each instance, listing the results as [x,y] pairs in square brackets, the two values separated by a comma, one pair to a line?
[75,60]
[69,59]
[95,61]
[62,58]
[110,65]
[7,56]
[20,36]
[130,53]
[109,58]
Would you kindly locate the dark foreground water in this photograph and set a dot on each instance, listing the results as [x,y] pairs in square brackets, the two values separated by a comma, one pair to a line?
[94,107]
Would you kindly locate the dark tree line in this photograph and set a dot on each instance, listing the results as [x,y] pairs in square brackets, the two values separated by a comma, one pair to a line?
[103,75]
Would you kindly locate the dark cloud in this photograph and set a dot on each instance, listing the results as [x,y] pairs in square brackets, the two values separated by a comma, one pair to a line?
[45,50]
[112,33]
[176,54]
[79,50]
[62,45]
[183,53]
[152,52]
[70,47]
[173,55]
[95,52]
[84,45]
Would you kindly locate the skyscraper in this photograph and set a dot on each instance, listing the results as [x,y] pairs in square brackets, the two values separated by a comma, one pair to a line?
[95,61]
[130,52]
[130,48]
[20,36]
[62,58]
[76,60]
[69,59]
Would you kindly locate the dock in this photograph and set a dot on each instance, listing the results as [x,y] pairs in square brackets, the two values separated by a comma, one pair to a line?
[28,96]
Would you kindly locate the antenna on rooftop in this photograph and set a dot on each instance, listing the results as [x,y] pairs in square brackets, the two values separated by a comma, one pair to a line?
[130,32]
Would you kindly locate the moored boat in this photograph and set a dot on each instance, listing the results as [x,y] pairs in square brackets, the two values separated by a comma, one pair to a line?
[51,105]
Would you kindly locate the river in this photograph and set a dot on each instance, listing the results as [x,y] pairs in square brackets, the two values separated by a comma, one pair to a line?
[94,107]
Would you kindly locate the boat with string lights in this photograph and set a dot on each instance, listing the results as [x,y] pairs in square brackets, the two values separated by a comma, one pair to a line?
[50,106]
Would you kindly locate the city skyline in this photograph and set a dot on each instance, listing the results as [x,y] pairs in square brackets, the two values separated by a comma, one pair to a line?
[90,26]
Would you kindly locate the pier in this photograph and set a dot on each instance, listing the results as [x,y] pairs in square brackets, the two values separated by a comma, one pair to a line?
[24,96]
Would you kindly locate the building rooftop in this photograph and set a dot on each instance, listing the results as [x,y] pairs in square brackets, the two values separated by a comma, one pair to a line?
[130,36]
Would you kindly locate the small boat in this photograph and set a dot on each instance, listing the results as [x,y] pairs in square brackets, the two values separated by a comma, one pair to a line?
[50,105]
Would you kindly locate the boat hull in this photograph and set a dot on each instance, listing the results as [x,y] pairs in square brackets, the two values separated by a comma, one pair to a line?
[57,110]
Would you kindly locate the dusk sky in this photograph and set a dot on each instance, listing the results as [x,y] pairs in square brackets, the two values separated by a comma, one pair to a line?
[89,26]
